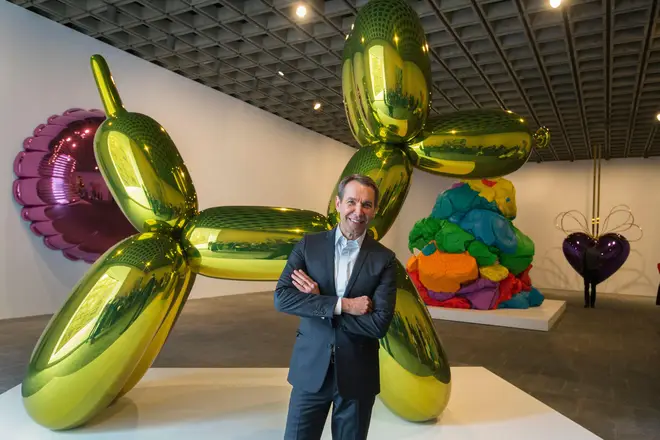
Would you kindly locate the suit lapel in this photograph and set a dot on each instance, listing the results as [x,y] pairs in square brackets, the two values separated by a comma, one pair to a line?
[362,256]
[330,260]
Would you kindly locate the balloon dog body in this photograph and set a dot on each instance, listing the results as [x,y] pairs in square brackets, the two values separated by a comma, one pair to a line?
[109,331]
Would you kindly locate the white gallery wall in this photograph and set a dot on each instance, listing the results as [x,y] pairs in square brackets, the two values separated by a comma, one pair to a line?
[547,189]
[237,154]
[240,155]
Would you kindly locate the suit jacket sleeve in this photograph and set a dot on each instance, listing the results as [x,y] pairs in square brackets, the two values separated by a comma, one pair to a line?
[289,299]
[376,323]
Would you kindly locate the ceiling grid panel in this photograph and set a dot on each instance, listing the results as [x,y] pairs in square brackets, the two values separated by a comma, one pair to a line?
[588,70]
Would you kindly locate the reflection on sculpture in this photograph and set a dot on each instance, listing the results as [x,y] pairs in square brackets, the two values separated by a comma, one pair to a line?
[469,253]
[105,337]
[62,191]
[475,144]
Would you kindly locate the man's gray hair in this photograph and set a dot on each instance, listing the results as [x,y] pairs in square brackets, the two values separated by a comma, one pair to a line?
[364,180]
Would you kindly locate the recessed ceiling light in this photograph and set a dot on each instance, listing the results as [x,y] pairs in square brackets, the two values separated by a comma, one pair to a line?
[280,73]
[317,105]
[301,11]
[555,3]
[657,116]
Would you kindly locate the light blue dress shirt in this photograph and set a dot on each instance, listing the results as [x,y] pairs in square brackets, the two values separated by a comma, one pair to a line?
[346,253]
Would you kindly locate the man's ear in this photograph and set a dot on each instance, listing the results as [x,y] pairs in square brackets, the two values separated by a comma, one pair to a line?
[337,203]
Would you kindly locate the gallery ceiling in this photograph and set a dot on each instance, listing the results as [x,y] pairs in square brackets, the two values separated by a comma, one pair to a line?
[588,70]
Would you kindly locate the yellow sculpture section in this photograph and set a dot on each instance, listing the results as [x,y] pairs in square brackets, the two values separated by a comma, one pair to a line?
[90,348]
[106,336]
[140,163]
[499,190]
[246,242]
[496,272]
[414,369]
[425,397]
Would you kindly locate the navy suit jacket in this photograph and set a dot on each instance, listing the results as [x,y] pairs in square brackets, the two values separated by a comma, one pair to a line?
[354,339]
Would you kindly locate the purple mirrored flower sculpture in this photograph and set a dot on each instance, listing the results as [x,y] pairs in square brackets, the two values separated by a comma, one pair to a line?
[62,191]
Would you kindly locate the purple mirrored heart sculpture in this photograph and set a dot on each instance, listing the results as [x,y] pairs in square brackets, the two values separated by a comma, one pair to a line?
[62,191]
[610,251]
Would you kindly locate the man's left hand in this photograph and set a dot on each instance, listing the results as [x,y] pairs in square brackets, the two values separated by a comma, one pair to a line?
[304,283]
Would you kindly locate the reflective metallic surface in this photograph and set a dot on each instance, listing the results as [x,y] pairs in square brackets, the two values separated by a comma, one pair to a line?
[414,369]
[607,253]
[91,346]
[182,291]
[246,242]
[140,163]
[112,327]
[386,74]
[391,169]
[475,144]
[63,194]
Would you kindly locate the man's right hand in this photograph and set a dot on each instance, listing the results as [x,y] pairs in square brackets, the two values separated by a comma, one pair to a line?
[356,306]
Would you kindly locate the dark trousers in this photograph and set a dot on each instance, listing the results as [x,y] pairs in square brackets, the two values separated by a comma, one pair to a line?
[589,300]
[309,411]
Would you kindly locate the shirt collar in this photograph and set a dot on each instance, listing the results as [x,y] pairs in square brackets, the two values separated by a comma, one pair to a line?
[340,239]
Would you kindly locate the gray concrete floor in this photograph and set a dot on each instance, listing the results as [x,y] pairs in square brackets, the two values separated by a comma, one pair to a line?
[599,367]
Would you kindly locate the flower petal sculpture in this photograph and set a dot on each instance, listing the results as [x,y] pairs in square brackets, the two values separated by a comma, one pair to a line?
[63,194]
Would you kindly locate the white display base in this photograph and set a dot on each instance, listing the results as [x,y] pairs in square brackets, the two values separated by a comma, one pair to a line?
[540,318]
[251,403]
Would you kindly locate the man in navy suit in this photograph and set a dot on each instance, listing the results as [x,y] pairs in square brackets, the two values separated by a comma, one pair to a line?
[342,285]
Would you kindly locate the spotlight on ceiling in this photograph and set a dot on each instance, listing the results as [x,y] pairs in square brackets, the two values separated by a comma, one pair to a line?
[317,105]
[657,116]
[280,73]
[555,3]
[301,11]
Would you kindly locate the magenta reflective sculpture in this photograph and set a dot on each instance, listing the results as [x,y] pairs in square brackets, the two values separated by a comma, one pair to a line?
[62,191]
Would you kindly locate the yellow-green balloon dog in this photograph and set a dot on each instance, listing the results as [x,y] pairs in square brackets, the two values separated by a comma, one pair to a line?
[107,334]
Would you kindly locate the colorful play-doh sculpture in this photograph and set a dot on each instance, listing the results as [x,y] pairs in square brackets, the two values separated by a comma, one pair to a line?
[471,256]
[108,333]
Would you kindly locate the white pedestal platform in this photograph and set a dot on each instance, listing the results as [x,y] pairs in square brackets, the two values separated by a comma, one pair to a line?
[251,404]
[541,318]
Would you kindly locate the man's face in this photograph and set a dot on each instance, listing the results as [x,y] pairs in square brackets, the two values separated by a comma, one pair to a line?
[357,208]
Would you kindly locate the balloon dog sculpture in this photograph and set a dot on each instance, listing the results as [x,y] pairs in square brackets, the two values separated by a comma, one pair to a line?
[107,334]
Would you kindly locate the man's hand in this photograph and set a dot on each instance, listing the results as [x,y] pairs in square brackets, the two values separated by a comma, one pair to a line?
[304,283]
[356,306]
